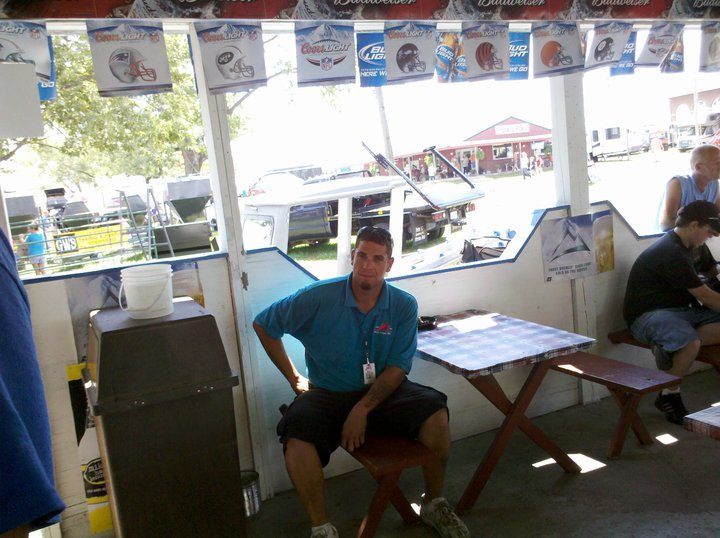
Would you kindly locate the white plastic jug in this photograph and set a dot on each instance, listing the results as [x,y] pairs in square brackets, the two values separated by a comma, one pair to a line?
[148,291]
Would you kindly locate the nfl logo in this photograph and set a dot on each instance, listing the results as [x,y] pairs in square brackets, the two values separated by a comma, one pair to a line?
[326,64]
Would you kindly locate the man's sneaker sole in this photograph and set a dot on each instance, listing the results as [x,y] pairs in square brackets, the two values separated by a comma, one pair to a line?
[663,359]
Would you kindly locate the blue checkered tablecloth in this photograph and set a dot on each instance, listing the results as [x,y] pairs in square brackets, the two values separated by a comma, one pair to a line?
[475,343]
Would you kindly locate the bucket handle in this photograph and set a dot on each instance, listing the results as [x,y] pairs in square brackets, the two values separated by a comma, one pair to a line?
[122,287]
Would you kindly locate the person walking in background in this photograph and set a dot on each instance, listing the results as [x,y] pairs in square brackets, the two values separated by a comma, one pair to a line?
[28,499]
[35,241]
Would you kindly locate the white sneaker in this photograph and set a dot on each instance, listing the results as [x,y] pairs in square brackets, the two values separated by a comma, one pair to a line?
[325,531]
[440,516]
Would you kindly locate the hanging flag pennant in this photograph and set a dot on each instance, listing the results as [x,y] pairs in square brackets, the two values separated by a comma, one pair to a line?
[232,55]
[556,49]
[608,43]
[710,47]
[487,49]
[626,65]
[674,62]
[450,61]
[324,53]
[28,42]
[129,57]
[371,59]
[660,40]
[409,51]
[519,55]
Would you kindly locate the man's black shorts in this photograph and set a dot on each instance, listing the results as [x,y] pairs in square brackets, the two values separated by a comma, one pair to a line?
[317,416]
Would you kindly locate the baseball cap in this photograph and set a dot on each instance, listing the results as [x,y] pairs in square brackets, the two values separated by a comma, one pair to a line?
[703,212]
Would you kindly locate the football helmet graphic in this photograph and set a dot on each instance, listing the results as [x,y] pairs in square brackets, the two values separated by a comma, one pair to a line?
[10,52]
[486,57]
[126,64]
[408,58]
[552,55]
[230,62]
[605,49]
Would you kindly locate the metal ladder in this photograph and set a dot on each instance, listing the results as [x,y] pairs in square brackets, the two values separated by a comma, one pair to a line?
[151,217]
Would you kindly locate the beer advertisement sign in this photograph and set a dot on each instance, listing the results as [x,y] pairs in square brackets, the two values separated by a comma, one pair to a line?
[409,51]
[556,49]
[487,49]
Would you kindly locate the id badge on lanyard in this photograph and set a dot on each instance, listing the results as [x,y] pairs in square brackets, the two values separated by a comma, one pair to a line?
[368,368]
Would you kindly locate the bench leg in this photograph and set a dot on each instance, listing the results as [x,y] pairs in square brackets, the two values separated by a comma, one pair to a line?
[628,404]
[387,490]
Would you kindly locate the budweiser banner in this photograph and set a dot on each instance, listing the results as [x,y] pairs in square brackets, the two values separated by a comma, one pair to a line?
[28,42]
[409,51]
[710,47]
[556,49]
[619,9]
[519,55]
[365,9]
[660,40]
[626,65]
[608,43]
[695,9]
[674,62]
[487,49]
[325,53]
[450,59]
[232,54]
[129,57]
[528,10]
[371,58]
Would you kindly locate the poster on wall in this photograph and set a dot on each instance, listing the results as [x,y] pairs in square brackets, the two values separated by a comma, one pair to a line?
[710,47]
[232,54]
[129,57]
[409,51]
[626,65]
[487,49]
[578,246]
[659,42]
[450,61]
[556,49]
[28,42]
[608,44]
[371,58]
[519,55]
[325,53]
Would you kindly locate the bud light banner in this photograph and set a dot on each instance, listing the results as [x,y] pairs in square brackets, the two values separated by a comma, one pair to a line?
[450,60]
[608,43]
[129,57]
[710,47]
[28,42]
[674,62]
[519,55]
[487,49]
[660,40]
[371,58]
[409,51]
[232,54]
[556,49]
[325,53]
[626,65]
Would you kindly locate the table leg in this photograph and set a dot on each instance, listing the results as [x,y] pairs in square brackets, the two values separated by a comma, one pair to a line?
[629,418]
[514,417]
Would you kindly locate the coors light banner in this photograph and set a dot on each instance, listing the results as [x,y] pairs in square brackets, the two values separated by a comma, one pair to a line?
[325,53]
[487,49]
[28,42]
[608,44]
[129,57]
[556,49]
[659,42]
[710,47]
[232,55]
[409,51]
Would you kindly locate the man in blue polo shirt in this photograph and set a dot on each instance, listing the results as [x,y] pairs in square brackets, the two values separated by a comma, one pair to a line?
[360,336]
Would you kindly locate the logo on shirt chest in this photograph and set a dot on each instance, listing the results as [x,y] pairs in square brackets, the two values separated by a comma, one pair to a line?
[383,328]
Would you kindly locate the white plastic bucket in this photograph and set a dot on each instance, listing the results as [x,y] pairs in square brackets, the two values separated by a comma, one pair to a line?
[148,291]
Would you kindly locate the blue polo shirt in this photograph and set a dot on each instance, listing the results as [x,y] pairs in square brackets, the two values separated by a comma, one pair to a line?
[336,333]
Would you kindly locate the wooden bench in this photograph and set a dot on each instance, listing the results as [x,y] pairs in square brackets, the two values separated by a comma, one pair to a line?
[385,458]
[707,354]
[705,422]
[627,384]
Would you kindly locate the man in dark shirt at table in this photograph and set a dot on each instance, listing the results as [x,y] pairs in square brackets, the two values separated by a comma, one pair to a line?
[667,304]
[360,335]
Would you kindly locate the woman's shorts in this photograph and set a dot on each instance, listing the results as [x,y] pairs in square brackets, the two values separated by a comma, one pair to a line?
[317,416]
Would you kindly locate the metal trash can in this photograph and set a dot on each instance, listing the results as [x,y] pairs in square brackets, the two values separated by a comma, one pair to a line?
[161,392]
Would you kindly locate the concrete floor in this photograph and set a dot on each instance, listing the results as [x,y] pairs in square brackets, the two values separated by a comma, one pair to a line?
[669,489]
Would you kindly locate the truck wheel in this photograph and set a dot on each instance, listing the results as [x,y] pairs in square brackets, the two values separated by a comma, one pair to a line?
[436,233]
